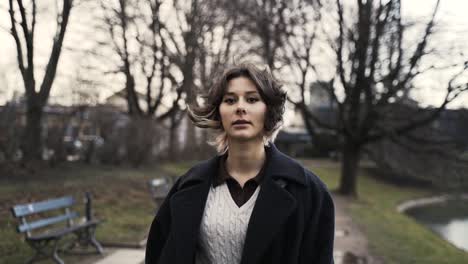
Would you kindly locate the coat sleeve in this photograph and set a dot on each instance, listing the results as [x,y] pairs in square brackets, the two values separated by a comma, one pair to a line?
[159,230]
[320,234]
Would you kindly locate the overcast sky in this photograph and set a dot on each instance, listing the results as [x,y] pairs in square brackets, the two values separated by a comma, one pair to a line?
[453,32]
[452,29]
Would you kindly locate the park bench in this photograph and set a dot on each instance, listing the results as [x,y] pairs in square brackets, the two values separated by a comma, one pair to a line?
[159,188]
[45,223]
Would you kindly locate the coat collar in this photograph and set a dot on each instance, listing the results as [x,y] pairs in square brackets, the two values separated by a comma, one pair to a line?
[187,205]
[279,166]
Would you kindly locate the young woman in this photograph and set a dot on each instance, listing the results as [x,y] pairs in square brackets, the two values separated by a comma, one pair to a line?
[251,203]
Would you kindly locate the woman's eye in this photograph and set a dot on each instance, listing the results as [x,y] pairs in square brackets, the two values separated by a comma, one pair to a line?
[229,100]
[252,100]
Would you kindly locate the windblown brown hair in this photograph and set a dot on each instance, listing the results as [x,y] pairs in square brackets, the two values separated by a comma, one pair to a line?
[207,115]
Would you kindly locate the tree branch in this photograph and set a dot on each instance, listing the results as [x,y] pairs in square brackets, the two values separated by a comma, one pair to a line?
[51,68]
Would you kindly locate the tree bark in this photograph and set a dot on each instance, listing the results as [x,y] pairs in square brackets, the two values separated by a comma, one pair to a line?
[173,139]
[349,168]
[134,109]
[32,147]
[36,100]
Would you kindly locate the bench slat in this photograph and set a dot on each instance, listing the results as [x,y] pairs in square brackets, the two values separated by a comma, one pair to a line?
[45,222]
[33,208]
[61,232]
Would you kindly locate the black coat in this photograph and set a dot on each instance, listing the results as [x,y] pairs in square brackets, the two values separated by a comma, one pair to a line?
[292,220]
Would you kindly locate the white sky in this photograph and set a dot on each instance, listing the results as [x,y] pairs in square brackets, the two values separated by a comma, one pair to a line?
[453,32]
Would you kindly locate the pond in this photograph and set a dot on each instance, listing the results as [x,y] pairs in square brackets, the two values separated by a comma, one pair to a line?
[449,219]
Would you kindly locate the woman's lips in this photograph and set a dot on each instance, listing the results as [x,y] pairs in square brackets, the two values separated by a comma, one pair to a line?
[240,122]
[240,125]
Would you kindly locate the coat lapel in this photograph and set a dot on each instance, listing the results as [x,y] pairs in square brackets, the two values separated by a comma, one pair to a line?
[187,206]
[187,211]
[273,206]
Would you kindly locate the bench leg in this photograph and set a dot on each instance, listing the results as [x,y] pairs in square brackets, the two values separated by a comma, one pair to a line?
[55,254]
[86,237]
[96,244]
[43,251]
[91,236]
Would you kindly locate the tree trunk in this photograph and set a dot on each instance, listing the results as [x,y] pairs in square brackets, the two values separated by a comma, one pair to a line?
[191,144]
[349,168]
[173,140]
[131,96]
[32,148]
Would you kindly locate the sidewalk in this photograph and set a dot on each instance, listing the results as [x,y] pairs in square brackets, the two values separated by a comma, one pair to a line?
[350,244]
[124,256]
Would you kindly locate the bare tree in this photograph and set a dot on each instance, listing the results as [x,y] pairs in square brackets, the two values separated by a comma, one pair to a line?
[270,22]
[159,50]
[163,52]
[375,73]
[201,39]
[135,30]
[217,44]
[298,60]
[23,26]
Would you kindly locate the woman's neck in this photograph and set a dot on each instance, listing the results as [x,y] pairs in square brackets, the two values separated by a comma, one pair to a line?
[245,160]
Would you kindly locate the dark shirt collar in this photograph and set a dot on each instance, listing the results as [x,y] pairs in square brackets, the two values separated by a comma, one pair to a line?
[278,166]
[223,175]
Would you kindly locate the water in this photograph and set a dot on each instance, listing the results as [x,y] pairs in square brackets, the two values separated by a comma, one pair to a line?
[448,219]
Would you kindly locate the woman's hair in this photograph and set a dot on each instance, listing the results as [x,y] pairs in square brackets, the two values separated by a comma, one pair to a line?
[207,115]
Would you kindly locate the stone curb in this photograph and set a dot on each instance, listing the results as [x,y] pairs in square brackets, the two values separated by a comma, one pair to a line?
[402,207]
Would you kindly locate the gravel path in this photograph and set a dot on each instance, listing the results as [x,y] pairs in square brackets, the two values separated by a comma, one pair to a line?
[351,246]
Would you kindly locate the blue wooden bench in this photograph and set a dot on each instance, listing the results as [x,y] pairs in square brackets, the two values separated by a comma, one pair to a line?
[45,223]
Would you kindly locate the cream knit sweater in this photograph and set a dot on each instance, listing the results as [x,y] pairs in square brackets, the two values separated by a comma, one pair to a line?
[223,227]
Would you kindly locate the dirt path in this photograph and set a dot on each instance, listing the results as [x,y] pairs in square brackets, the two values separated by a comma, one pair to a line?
[351,246]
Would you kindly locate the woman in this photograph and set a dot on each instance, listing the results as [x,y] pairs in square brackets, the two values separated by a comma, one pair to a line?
[251,203]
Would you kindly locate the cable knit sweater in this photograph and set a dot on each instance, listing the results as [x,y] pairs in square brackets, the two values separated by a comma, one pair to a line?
[223,227]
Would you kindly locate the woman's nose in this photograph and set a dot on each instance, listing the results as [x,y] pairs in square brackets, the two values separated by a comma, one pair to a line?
[241,107]
[240,110]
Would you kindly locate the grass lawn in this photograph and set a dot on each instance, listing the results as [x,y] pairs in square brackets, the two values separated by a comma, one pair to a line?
[394,236]
[121,198]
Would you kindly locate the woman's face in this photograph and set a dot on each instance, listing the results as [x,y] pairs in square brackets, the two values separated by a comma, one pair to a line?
[242,110]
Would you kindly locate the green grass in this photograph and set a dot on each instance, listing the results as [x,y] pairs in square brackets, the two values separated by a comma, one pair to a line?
[396,237]
[121,199]
[177,168]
